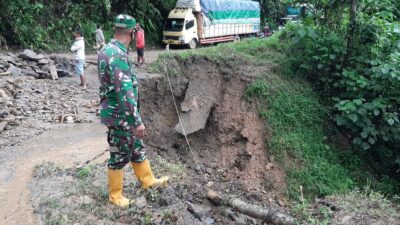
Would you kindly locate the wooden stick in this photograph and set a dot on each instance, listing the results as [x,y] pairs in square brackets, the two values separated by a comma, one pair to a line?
[267,214]
[5,73]
[94,62]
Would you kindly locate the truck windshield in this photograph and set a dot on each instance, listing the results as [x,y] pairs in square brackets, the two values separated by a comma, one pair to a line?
[174,25]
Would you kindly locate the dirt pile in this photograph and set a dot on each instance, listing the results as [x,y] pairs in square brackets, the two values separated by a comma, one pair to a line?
[33,105]
[231,147]
[40,66]
[230,151]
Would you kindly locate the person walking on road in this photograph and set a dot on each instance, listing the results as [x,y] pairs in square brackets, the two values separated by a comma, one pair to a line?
[79,49]
[100,40]
[140,42]
[119,94]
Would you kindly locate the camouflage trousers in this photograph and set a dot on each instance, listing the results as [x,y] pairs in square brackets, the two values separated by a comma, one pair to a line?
[124,148]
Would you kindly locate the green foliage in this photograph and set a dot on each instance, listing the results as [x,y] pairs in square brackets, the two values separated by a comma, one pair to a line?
[272,12]
[305,216]
[296,118]
[48,25]
[147,219]
[85,171]
[363,88]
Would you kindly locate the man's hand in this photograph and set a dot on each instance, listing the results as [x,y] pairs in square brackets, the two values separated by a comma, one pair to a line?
[140,131]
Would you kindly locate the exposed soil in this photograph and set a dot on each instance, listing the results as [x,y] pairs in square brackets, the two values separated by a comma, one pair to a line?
[230,151]
[46,177]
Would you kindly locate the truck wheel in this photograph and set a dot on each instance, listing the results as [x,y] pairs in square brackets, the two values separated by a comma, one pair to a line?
[193,44]
[237,38]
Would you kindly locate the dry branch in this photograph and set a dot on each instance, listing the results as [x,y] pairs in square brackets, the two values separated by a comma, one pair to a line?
[267,214]
[5,73]
[94,62]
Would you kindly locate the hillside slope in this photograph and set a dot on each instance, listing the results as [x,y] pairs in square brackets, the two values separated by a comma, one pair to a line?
[266,139]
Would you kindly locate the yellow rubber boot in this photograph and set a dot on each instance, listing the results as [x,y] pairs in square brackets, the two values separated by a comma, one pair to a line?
[115,184]
[145,175]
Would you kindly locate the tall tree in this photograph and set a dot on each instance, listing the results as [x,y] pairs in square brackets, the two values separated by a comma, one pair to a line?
[352,28]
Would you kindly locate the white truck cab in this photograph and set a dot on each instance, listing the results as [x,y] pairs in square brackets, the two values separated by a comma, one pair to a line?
[181,28]
[194,22]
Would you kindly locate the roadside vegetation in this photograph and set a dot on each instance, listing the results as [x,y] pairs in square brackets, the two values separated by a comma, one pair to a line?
[318,157]
[330,98]
[48,24]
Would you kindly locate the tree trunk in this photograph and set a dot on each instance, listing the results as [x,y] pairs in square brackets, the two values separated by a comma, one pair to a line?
[266,213]
[352,28]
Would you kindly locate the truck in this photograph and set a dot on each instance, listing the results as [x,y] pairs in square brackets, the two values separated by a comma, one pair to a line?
[195,22]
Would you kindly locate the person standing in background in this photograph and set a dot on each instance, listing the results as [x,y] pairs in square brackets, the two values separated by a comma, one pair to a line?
[100,40]
[79,49]
[140,42]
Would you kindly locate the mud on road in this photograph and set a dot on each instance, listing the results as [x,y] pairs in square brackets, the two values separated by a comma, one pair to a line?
[230,150]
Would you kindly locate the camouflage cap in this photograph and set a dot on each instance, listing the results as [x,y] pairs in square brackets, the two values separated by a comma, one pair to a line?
[124,21]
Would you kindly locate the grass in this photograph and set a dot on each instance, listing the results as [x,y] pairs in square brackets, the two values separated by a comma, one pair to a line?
[293,112]
[147,219]
[299,121]
[295,116]
[358,204]
[176,170]
[257,50]
[85,171]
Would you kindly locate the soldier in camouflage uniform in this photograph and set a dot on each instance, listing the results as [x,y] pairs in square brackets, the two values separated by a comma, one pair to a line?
[119,95]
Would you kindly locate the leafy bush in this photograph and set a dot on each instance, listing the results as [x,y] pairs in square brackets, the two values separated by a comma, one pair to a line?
[362,85]
[48,25]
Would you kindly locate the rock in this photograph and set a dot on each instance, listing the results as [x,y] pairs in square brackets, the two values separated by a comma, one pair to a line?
[7,59]
[28,54]
[40,57]
[209,220]
[198,211]
[198,168]
[209,184]
[31,63]
[10,118]
[28,71]
[4,112]
[199,100]
[3,125]
[18,64]
[43,61]
[346,219]
[269,166]
[53,71]
[3,94]
[86,200]
[69,119]
[141,202]
[15,71]
[37,70]
[63,73]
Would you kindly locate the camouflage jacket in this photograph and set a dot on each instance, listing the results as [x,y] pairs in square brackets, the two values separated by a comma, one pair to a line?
[119,92]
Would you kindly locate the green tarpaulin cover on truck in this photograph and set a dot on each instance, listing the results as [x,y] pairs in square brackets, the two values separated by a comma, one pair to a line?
[231,11]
